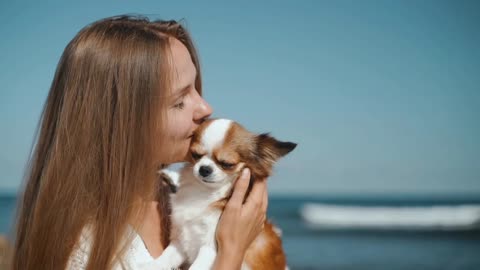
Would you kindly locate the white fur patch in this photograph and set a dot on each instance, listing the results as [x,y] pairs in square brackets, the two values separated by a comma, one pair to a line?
[215,133]
[260,241]
[277,230]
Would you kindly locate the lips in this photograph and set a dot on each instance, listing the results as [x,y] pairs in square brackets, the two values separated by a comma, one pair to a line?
[207,180]
[193,132]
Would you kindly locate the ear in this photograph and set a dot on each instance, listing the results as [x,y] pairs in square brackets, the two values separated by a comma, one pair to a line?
[270,148]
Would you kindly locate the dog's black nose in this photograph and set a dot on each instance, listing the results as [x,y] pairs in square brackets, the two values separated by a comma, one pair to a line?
[205,171]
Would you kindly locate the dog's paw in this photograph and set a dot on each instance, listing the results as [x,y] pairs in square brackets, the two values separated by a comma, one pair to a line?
[171,178]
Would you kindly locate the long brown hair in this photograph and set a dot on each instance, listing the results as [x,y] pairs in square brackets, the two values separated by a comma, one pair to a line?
[97,144]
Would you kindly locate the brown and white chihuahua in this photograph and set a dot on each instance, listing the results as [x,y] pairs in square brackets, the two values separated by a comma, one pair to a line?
[220,150]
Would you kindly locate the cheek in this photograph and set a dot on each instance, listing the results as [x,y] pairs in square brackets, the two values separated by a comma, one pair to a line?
[179,126]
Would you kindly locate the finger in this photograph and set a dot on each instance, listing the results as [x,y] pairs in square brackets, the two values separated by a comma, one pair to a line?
[255,197]
[265,200]
[240,188]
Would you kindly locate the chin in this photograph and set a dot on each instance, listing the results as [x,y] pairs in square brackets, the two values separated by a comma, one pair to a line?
[220,149]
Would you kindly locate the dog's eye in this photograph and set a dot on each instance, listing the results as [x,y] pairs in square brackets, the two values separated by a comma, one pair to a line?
[196,156]
[226,165]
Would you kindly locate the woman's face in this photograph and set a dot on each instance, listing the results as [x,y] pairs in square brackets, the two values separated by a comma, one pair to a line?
[186,108]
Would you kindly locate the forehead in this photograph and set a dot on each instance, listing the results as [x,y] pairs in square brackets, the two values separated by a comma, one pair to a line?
[184,71]
[223,139]
[214,134]
[222,135]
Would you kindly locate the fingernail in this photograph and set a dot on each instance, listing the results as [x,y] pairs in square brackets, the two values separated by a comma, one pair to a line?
[245,171]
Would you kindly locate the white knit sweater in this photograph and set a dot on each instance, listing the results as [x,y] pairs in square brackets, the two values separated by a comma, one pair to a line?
[135,257]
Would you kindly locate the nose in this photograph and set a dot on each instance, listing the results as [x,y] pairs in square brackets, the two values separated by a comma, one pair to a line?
[205,171]
[202,111]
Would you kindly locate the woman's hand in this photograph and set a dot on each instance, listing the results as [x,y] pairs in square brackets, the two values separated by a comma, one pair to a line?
[240,222]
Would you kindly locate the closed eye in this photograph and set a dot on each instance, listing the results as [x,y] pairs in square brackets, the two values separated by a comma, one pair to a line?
[179,105]
[196,156]
[226,165]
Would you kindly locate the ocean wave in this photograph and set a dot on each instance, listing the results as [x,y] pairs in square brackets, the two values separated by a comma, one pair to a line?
[325,216]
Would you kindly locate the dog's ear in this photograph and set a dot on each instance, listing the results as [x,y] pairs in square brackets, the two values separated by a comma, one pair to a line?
[271,149]
[264,152]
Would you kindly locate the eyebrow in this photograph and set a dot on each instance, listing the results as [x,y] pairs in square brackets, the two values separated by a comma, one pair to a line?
[183,90]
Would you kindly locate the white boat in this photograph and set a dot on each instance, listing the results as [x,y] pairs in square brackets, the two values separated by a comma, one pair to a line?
[325,216]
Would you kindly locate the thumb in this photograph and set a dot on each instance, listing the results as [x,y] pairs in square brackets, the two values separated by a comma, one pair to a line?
[240,189]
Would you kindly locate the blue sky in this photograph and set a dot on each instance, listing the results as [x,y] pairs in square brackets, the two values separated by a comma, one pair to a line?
[382,97]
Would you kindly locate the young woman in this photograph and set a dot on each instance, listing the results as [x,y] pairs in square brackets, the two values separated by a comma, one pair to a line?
[124,101]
